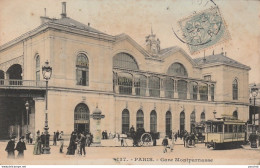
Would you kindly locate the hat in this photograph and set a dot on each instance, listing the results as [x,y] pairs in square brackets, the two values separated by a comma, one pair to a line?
[22,137]
[13,137]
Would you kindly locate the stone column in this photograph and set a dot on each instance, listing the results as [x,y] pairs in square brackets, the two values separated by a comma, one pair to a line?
[147,86]
[97,116]
[188,89]
[176,96]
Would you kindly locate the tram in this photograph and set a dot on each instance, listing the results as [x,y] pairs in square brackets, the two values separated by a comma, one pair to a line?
[224,132]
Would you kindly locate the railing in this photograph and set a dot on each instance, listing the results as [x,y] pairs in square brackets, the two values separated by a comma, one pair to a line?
[21,83]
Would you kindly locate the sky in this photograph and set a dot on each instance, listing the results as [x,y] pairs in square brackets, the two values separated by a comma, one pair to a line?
[137,17]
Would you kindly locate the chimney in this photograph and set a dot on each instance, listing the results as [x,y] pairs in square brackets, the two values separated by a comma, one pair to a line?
[63,14]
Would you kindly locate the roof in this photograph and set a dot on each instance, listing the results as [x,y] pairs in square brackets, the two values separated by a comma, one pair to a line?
[75,24]
[219,58]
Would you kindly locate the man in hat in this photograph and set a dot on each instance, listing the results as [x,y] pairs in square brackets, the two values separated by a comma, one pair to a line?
[165,144]
[20,147]
[10,148]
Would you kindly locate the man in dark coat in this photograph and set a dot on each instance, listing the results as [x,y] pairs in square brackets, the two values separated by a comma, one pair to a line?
[82,143]
[20,147]
[10,148]
[165,144]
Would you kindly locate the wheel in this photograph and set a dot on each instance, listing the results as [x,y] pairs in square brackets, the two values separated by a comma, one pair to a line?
[146,139]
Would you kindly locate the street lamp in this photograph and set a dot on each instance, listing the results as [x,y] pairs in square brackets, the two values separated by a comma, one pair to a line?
[46,72]
[254,93]
[27,114]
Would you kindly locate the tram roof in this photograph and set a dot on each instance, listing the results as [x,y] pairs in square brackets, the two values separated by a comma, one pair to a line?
[226,121]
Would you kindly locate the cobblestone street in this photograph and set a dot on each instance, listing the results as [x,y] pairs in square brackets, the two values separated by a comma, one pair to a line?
[109,154]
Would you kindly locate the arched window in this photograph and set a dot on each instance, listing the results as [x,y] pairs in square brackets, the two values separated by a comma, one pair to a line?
[168,123]
[235,89]
[82,71]
[192,121]
[154,86]
[203,89]
[139,119]
[182,122]
[212,90]
[125,121]
[140,85]
[125,83]
[169,87]
[2,76]
[37,68]
[124,61]
[193,90]
[177,69]
[202,117]
[81,117]
[153,121]
[235,115]
[182,89]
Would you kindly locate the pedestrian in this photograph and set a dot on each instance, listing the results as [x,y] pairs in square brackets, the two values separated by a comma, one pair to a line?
[173,142]
[176,136]
[61,140]
[38,144]
[31,138]
[72,144]
[165,144]
[20,147]
[54,139]
[10,148]
[57,135]
[27,136]
[82,143]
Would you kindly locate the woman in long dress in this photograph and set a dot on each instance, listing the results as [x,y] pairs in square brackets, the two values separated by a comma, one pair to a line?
[38,144]
[72,145]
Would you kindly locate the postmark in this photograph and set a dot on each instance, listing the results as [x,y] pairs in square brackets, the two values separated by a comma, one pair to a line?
[203,30]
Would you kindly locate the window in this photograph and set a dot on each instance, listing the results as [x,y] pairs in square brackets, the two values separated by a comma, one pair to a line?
[193,90]
[82,71]
[235,90]
[140,85]
[177,69]
[153,121]
[235,115]
[212,90]
[2,76]
[37,68]
[125,121]
[182,122]
[154,86]
[203,89]
[182,89]
[139,119]
[168,120]
[192,121]
[207,77]
[81,112]
[169,87]
[220,128]
[124,61]
[125,83]
[202,117]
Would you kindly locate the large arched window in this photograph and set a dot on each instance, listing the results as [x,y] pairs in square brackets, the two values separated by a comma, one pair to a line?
[235,114]
[81,117]
[125,83]
[37,68]
[169,87]
[192,121]
[235,89]
[153,121]
[177,69]
[125,121]
[182,122]
[182,89]
[139,119]
[168,123]
[202,117]
[203,89]
[193,90]
[82,70]
[154,86]
[124,61]
[140,85]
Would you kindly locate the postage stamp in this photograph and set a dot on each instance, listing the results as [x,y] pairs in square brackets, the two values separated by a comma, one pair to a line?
[204,29]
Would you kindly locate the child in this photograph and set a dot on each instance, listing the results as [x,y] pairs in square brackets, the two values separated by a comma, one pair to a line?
[165,144]
[20,147]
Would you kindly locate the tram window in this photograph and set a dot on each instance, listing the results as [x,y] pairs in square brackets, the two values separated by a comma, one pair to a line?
[243,128]
[226,128]
[208,128]
[220,128]
[214,128]
[230,129]
[235,128]
[240,128]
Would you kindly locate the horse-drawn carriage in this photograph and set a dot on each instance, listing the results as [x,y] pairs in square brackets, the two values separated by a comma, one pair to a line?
[142,138]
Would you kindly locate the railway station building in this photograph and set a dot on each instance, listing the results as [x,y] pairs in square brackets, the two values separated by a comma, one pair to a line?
[158,89]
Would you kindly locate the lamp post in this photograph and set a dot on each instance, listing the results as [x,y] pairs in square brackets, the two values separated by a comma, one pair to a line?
[254,93]
[46,72]
[27,114]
